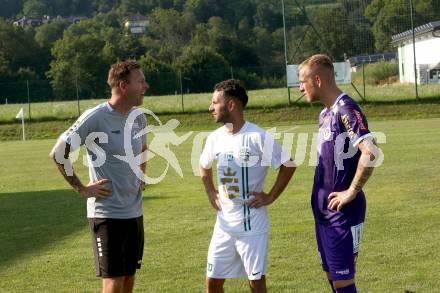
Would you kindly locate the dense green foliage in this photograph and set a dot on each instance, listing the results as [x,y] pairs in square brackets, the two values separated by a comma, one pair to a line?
[187,44]
[378,73]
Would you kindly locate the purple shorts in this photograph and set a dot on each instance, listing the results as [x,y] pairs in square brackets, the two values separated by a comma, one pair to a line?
[338,247]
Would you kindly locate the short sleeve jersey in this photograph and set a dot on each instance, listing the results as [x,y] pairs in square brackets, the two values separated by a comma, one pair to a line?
[242,159]
[341,129]
[102,130]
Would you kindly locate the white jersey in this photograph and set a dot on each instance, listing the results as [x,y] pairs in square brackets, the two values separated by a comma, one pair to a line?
[242,159]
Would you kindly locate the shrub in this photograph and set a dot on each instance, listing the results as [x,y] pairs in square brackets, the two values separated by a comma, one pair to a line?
[377,73]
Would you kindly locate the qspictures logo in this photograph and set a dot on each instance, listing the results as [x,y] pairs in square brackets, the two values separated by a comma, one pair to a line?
[164,135]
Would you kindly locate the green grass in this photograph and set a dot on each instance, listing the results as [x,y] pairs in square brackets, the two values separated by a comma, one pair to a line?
[265,114]
[196,103]
[46,246]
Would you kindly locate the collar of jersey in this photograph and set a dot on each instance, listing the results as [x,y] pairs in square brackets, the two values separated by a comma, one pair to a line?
[337,100]
[243,128]
[109,107]
[111,110]
[334,107]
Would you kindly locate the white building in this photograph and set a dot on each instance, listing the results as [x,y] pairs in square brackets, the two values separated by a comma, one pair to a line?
[427,48]
[136,24]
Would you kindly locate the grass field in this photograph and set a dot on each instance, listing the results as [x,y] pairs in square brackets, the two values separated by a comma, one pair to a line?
[46,247]
[199,102]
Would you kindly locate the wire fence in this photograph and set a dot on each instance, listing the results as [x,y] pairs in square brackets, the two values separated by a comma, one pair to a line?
[392,57]
[405,33]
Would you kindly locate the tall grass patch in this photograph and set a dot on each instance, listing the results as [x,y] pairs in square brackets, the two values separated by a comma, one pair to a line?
[377,73]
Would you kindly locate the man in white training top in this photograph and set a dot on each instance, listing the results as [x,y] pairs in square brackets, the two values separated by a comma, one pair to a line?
[243,152]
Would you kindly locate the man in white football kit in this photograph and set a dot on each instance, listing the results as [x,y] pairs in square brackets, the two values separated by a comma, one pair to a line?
[243,152]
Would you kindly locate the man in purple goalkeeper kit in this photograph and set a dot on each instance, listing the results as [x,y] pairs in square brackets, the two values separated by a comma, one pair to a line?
[346,151]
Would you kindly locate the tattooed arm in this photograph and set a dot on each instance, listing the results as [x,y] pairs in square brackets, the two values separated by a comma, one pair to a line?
[363,172]
[60,155]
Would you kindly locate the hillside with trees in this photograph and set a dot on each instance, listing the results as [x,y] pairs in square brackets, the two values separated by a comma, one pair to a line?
[195,42]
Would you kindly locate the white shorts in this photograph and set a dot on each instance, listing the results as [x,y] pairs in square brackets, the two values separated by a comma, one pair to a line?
[237,256]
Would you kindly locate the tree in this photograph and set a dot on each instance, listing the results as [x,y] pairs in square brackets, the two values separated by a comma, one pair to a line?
[48,33]
[161,77]
[202,68]
[19,60]
[339,30]
[135,6]
[230,10]
[36,8]
[18,47]
[172,31]
[268,15]
[101,6]
[10,8]
[390,17]
[79,59]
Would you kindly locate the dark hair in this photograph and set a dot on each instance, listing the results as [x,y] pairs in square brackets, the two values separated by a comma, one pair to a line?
[233,88]
[120,71]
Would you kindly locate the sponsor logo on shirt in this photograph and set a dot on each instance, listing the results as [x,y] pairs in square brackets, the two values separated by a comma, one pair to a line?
[343,272]
[346,122]
[359,119]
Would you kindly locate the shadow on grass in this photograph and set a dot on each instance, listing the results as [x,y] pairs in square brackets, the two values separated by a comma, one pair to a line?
[29,221]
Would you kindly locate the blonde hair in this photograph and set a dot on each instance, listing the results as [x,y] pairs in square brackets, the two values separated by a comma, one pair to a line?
[120,71]
[318,60]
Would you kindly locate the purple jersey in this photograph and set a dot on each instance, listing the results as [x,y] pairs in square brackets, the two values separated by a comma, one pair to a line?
[341,128]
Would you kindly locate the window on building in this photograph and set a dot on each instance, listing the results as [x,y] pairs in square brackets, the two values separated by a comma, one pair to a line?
[434,73]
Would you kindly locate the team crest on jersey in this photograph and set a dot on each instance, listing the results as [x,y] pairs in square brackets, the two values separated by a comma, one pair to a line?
[244,154]
[230,156]
[327,133]
[229,184]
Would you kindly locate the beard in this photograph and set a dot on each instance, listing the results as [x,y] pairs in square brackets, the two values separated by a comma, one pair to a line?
[223,116]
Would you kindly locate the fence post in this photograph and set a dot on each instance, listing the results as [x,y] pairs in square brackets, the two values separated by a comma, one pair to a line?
[29,99]
[181,91]
[77,96]
[414,47]
[285,50]
[363,78]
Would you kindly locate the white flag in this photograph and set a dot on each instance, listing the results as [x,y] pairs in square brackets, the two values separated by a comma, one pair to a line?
[20,114]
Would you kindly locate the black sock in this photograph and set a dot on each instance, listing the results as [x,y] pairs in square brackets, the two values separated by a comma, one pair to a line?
[331,285]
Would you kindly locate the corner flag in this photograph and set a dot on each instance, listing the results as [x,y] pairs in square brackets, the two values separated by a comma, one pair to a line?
[20,115]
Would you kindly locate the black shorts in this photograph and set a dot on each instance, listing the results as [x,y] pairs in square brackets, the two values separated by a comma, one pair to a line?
[118,245]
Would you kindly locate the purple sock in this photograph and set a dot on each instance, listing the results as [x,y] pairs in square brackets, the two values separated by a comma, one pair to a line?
[347,289]
[331,285]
